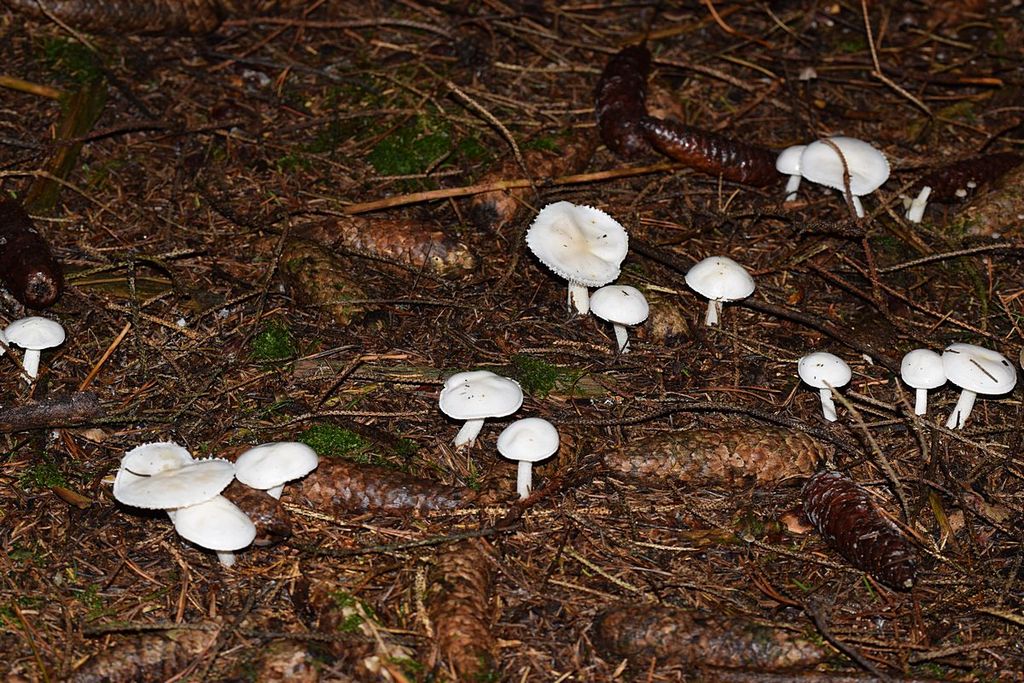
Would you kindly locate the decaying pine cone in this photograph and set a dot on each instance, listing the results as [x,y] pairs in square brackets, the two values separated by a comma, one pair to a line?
[154,16]
[320,279]
[27,266]
[265,511]
[493,210]
[148,657]
[286,660]
[679,637]
[720,457]
[409,242]
[460,585]
[848,520]
[620,101]
[957,180]
[340,484]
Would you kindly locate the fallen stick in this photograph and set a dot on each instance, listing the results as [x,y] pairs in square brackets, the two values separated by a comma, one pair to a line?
[55,411]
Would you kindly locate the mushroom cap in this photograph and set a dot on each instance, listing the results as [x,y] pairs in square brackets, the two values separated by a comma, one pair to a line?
[719,278]
[35,333]
[531,439]
[579,243]
[822,369]
[620,304]
[190,484]
[978,369]
[272,464]
[868,167]
[923,369]
[479,394]
[149,458]
[788,161]
[216,524]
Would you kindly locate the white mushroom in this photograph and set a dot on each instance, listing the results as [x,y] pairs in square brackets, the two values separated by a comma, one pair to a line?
[216,524]
[976,370]
[825,372]
[476,395]
[719,278]
[171,487]
[620,305]
[922,369]
[269,466]
[34,334]
[915,212]
[582,244]
[788,162]
[527,441]
[866,167]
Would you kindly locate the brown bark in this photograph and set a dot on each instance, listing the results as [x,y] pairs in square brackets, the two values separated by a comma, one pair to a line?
[53,411]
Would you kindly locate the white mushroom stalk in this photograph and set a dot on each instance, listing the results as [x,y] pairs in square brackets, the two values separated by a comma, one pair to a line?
[621,305]
[527,441]
[916,210]
[825,372]
[976,370]
[476,395]
[719,279]
[788,162]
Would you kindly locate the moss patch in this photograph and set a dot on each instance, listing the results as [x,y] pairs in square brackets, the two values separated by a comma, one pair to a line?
[273,343]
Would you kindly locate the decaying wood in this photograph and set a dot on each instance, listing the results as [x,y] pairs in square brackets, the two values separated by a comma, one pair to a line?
[493,210]
[720,457]
[53,411]
[679,637]
[338,484]
[458,603]
[148,657]
[320,279]
[409,242]
[265,511]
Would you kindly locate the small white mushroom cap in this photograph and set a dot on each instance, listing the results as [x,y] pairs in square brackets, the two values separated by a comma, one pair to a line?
[582,244]
[868,168]
[34,334]
[976,370]
[269,466]
[719,278]
[476,395]
[527,441]
[190,484]
[825,371]
[217,524]
[620,305]
[922,369]
[788,162]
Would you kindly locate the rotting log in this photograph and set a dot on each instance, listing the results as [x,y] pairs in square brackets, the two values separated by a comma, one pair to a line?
[322,280]
[53,411]
[720,457]
[681,637]
[265,511]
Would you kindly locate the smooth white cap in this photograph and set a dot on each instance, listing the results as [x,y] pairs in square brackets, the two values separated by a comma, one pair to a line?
[923,369]
[620,304]
[150,458]
[35,333]
[719,278]
[272,464]
[788,161]
[978,369]
[582,244]
[531,439]
[822,369]
[867,166]
[217,524]
[480,394]
[190,484]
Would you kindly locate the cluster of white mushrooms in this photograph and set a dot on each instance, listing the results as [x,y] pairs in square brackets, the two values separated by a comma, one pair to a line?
[35,334]
[165,476]
[836,162]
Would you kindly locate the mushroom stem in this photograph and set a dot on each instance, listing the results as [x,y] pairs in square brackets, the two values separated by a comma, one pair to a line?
[621,337]
[579,298]
[714,310]
[921,404]
[226,558]
[792,185]
[962,410]
[467,435]
[917,206]
[31,364]
[828,406]
[857,206]
[524,478]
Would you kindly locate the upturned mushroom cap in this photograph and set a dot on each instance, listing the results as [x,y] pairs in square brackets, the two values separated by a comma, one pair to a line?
[822,369]
[272,464]
[868,167]
[978,369]
[620,304]
[582,244]
[788,161]
[190,484]
[150,458]
[531,439]
[216,524]
[35,333]
[480,394]
[923,369]
[719,278]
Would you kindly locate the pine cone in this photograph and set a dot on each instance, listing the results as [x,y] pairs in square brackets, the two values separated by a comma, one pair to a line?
[847,518]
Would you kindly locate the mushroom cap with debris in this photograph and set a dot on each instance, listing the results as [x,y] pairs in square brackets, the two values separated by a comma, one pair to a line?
[582,244]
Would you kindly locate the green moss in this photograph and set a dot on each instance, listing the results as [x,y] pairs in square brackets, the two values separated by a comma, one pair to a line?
[71,60]
[540,378]
[412,148]
[273,343]
[351,622]
[43,475]
[330,441]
